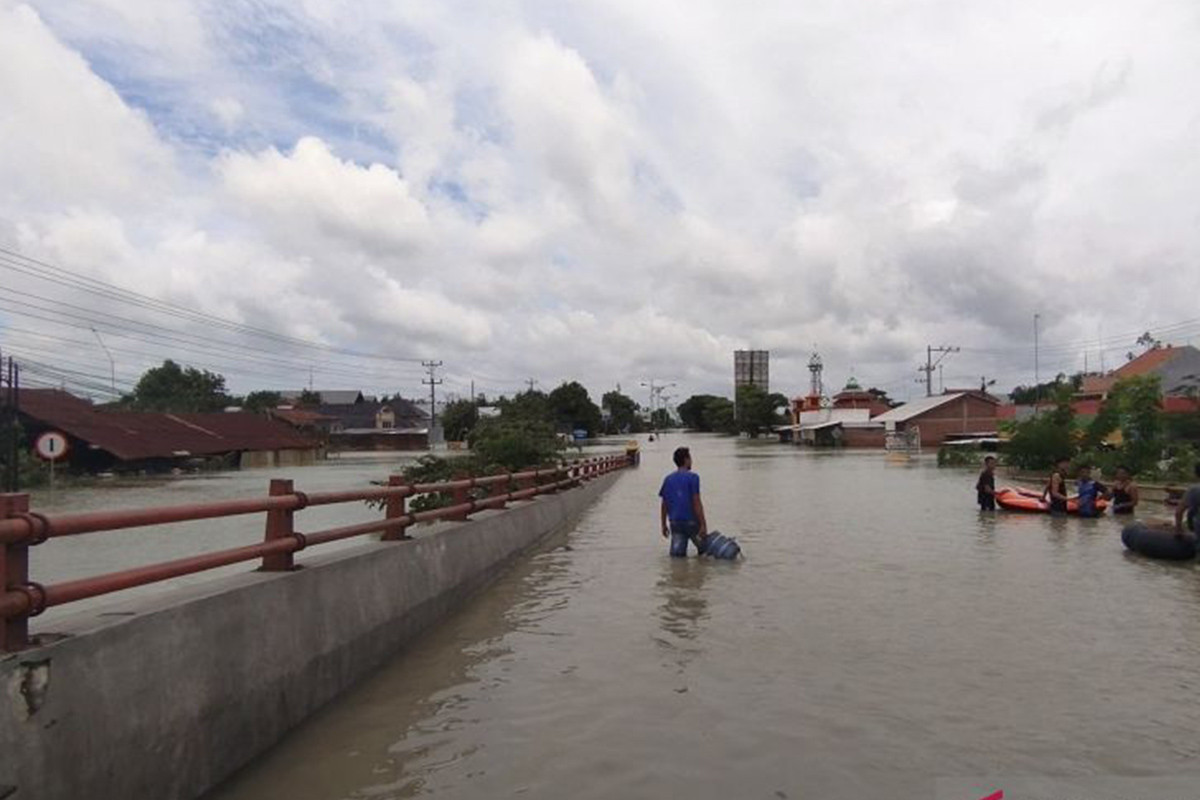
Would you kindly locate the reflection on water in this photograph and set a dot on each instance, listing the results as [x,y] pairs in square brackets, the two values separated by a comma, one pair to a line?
[683,609]
[881,632]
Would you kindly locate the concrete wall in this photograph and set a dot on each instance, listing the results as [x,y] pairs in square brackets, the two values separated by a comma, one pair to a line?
[251,459]
[164,699]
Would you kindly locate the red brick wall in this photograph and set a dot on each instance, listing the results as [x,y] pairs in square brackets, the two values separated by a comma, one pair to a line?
[862,437]
[964,415]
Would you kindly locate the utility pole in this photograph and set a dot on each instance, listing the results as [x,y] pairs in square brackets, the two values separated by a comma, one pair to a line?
[656,390]
[930,364]
[432,382]
[1037,377]
[531,383]
[112,365]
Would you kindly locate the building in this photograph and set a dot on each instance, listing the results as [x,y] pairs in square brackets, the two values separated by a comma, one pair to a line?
[101,440]
[933,419]
[329,397]
[1177,368]
[854,396]
[395,424]
[834,427]
[752,368]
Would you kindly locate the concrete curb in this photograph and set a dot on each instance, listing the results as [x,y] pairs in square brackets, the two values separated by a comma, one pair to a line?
[165,698]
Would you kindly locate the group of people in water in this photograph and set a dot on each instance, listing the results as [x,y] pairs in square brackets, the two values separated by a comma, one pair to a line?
[1122,495]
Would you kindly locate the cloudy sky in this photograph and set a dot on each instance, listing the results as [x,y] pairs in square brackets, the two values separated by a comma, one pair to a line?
[605,191]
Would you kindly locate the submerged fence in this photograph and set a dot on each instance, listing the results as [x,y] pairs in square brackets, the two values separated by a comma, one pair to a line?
[21,529]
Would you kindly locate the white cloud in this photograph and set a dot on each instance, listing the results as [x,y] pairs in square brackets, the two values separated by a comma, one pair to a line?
[626,191]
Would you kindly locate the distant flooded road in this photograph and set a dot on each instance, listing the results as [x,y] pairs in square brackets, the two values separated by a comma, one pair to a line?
[880,633]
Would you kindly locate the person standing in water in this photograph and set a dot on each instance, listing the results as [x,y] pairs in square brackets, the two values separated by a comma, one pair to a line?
[985,487]
[1056,487]
[1188,509]
[1124,492]
[1089,491]
[681,511]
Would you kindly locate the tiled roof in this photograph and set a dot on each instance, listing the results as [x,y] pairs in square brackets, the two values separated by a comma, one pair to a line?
[1149,361]
[133,436]
[918,407]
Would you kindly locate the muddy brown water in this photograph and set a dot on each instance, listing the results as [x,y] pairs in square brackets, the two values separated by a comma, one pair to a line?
[880,633]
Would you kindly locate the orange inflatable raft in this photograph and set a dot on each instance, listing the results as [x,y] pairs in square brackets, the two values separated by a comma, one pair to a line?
[1027,500]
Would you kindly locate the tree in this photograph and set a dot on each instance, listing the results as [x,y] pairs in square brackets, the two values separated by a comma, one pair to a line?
[1039,441]
[171,388]
[1147,341]
[660,418]
[514,443]
[308,399]
[696,411]
[572,408]
[622,413]
[261,402]
[532,404]
[719,415]
[1138,404]
[459,418]
[756,409]
[1029,395]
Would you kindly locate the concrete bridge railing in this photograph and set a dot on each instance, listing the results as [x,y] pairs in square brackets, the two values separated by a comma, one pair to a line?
[165,697]
[21,529]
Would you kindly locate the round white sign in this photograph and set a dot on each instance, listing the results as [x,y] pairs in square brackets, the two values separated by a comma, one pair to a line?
[51,445]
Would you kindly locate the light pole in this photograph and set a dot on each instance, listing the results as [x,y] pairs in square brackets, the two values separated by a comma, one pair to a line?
[1037,376]
[656,390]
[112,365]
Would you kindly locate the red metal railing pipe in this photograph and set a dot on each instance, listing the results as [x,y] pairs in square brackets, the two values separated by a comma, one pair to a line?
[70,591]
[20,599]
[26,527]
[20,528]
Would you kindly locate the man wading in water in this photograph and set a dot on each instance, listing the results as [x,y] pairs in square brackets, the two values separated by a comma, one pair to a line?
[682,512]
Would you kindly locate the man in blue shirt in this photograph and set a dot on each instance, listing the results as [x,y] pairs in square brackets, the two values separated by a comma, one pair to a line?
[682,512]
[1089,491]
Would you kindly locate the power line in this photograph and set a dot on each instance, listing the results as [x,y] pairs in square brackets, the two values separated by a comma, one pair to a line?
[931,365]
[42,270]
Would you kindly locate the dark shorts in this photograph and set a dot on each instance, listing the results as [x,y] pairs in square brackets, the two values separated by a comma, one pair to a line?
[681,534]
[987,502]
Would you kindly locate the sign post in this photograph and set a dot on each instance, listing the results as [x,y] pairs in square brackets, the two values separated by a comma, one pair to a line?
[51,446]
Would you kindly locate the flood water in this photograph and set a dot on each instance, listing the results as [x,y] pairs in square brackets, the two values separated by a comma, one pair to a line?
[73,557]
[880,633]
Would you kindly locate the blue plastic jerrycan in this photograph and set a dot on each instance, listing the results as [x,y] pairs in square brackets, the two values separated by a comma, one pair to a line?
[718,545]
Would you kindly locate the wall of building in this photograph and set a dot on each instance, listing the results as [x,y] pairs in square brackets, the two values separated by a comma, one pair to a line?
[166,698]
[279,458]
[967,414]
[382,440]
[863,437]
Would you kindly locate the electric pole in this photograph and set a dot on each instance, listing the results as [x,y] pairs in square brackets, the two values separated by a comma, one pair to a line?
[1037,377]
[931,365]
[531,383]
[432,382]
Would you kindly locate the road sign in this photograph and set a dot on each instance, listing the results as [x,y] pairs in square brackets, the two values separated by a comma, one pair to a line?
[51,445]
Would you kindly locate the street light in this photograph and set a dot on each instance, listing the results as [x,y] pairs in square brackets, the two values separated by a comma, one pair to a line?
[112,365]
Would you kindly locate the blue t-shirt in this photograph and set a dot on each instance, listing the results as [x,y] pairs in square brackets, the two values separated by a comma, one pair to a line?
[678,489]
[1089,490]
